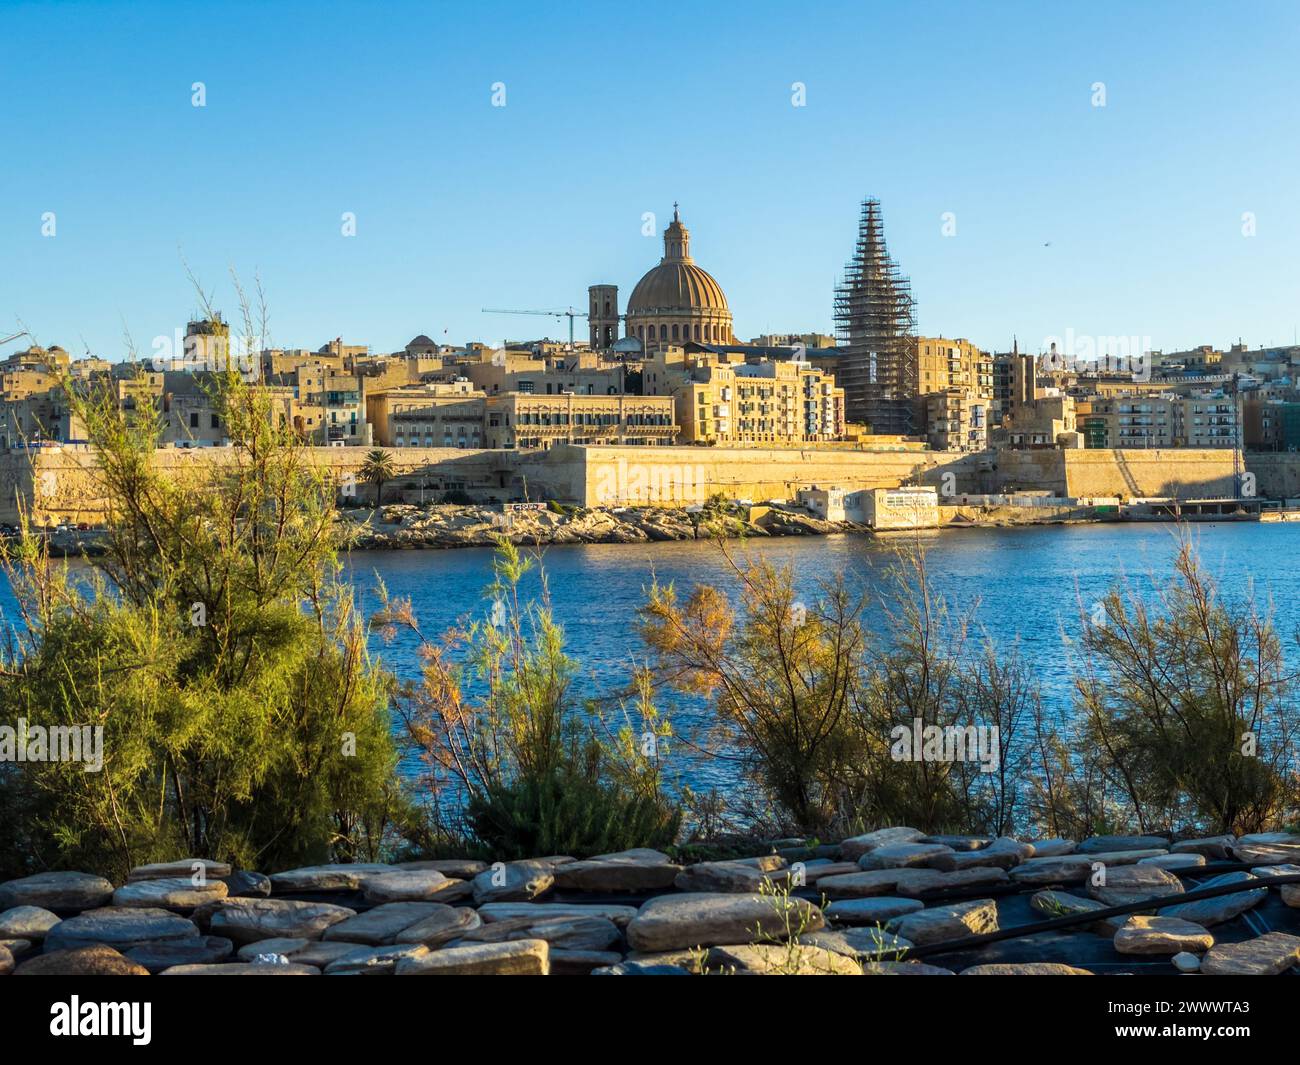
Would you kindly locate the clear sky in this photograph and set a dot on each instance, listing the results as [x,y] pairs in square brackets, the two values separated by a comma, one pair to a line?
[1122,220]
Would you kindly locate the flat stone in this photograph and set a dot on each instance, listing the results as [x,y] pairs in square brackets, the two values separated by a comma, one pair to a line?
[1267,955]
[853,849]
[903,855]
[960,843]
[504,911]
[582,962]
[767,863]
[861,944]
[440,926]
[1267,848]
[903,968]
[245,884]
[1130,857]
[1004,853]
[98,960]
[1025,968]
[341,877]
[813,872]
[6,961]
[1207,912]
[61,892]
[381,925]
[240,968]
[519,957]
[1101,844]
[320,954]
[169,893]
[562,933]
[672,922]
[202,950]
[767,959]
[185,868]
[1061,904]
[870,911]
[374,961]
[690,960]
[1186,962]
[452,868]
[1126,884]
[1261,871]
[119,928]
[513,882]
[27,922]
[248,920]
[1217,847]
[728,876]
[1174,861]
[939,923]
[631,871]
[1066,869]
[908,882]
[1053,848]
[1161,935]
[405,885]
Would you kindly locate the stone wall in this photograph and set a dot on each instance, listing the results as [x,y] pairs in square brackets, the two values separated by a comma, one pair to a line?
[1182,473]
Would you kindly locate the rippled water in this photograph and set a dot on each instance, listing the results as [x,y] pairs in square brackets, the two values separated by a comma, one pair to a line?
[1027,585]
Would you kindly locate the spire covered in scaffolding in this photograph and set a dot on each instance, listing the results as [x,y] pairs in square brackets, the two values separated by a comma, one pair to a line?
[876,333]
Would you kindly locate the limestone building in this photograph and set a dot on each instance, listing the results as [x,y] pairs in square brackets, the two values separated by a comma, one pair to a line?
[677,300]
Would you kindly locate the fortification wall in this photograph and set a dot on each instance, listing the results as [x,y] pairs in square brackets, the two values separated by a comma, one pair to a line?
[1180,473]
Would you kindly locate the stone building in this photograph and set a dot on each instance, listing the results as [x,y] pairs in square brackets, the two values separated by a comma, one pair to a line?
[677,300]
[517,420]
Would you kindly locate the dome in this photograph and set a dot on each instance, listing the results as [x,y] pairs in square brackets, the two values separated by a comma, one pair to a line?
[678,301]
[676,286]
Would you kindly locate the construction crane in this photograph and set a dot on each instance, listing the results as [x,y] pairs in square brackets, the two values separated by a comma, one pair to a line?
[5,340]
[568,313]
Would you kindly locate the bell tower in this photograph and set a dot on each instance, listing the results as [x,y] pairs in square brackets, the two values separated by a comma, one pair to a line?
[603,316]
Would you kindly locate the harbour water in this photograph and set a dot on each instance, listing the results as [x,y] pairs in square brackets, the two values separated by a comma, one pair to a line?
[1025,585]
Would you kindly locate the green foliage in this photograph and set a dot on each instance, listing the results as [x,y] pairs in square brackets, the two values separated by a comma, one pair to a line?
[216,647]
[378,469]
[458,497]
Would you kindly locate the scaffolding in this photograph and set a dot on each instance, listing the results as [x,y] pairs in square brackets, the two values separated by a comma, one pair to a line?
[875,330]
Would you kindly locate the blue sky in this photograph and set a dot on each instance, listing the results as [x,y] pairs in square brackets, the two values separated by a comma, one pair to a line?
[1123,220]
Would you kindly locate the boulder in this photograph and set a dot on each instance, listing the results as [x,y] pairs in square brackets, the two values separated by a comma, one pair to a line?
[1174,861]
[6,961]
[1266,955]
[452,868]
[1217,848]
[582,962]
[1004,853]
[870,911]
[861,944]
[245,884]
[120,928]
[98,960]
[905,855]
[903,968]
[374,961]
[639,870]
[319,954]
[513,882]
[1207,912]
[853,849]
[1065,869]
[1186,962]
[169,893]
[344,877]
[767,959]
[960,843]
[728,876]
[907,882]
[672,922]
[61,892]
[1025,968]
[1053,848]
[1134,883]
[183,869]
[562,933]
[440,926]
[163,954]
[284,946]
[639,968]
[405,885]
[381,926]
[814,871]
[1101,844]
[940,923]
[16,947]
[1161,935]
[1268,848]
[519,957]
[504,911]
[27,922]
[248,920]
[1053,904]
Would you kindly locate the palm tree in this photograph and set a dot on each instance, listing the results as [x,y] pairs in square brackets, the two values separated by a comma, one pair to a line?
[377,469]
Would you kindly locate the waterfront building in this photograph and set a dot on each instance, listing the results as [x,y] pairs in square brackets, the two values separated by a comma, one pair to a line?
[519,420]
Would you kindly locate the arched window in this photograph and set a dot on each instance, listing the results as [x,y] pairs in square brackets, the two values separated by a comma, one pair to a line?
[697,332]
[663,332]
[674,332]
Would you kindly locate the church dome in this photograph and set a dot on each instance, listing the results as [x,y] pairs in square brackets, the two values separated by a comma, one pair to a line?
[676,300]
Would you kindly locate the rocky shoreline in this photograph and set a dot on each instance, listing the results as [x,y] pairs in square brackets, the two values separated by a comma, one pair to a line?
[405,526]
[885,903]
